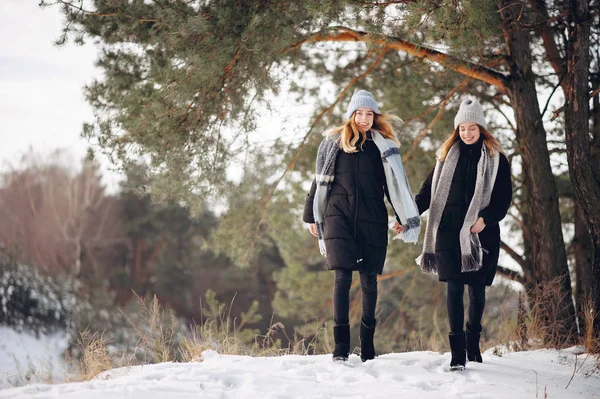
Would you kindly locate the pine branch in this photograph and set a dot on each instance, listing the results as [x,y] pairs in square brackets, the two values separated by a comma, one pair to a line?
[81,9]
[560,81]
[508,121]
[472,70]
[510,274]
[513,254]
[225,80]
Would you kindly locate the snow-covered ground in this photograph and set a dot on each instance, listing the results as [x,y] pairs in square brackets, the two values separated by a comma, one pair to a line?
[22,356]
[535,374]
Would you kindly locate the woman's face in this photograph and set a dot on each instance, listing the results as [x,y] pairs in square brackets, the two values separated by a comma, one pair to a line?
[469,132]
[363,117]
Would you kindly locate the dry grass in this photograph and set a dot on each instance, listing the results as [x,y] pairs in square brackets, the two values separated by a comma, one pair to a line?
[515,335]
[547,304]
[224,338]
[510,331]
[227,335]
[31,373]
[156,338]
[539,326]
[155,344]
[158,343]
[591,341]
[268,345]
[210,335]
[94,359]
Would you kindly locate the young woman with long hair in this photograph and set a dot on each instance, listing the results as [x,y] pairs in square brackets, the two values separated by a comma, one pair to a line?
[467,193]
[358,164]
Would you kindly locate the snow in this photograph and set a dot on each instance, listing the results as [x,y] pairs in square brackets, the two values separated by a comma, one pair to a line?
[24,353]
[414,374]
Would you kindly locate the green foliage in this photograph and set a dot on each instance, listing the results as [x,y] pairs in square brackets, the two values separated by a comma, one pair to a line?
[183,97]
[213,307]
[174,89]
[171,255]
[470,28]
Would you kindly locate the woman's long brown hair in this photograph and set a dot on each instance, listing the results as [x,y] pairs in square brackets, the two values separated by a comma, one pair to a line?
[488,140]
[350,133]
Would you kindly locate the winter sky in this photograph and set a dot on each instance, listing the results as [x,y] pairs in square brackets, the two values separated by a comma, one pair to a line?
[41,85]
[42,105]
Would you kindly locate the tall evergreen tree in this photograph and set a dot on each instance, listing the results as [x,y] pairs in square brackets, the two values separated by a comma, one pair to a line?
[585,179]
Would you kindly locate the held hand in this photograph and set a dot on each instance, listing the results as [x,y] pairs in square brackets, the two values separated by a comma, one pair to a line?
[398,227]
[478,226]
[313,229]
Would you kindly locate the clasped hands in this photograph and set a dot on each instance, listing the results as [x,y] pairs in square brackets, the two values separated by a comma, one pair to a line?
[476,228]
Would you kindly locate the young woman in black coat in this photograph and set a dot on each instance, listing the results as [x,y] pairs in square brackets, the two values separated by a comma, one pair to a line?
[472,191]
[353,233]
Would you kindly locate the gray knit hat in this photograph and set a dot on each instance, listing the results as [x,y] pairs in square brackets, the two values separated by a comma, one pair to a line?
[470,111]
[361,98]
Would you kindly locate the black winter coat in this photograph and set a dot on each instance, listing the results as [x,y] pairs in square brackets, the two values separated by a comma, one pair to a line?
[356,219]
[447,246]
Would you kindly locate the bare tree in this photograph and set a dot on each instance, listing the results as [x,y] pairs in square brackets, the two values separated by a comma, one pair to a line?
[57,218]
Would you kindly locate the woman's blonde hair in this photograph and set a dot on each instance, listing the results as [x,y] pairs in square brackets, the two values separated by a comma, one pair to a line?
[350,133]
[488,140]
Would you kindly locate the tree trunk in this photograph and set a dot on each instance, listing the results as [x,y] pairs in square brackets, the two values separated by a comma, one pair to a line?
[548,249]
[595,162]
[583,251]
[595,149]
[584,179]
[526,229]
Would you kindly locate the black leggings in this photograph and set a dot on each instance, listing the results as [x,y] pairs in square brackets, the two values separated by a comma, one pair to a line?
[456,308]
[341,296]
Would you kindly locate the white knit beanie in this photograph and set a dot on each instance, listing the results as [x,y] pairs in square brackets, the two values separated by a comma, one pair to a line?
[470,111]
[360,99]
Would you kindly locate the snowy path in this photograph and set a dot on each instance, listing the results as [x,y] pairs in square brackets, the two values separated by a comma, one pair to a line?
[412,375]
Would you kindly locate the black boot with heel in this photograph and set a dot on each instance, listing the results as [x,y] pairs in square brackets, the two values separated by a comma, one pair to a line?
[367,349]
[459,354]
[473,351]
[341,336]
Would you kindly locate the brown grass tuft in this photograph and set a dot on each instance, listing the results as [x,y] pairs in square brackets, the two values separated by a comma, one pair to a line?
[547,303]
[590,339]
[94,359]
[156,338]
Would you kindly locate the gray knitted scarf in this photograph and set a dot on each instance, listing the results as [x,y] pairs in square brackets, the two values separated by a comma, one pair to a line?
[400,194]
[470,246]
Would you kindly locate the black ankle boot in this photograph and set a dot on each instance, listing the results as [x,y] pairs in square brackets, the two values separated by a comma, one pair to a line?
[341,336]
[367,349]
[459,354]
[473,352]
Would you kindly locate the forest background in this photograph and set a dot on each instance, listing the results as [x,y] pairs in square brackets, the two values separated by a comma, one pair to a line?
[207,218]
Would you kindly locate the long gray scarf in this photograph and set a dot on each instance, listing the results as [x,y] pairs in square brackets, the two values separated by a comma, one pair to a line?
[470,246]
[400,194]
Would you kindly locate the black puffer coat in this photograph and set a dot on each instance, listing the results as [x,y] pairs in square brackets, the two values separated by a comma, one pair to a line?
[356,220]
[447,245]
